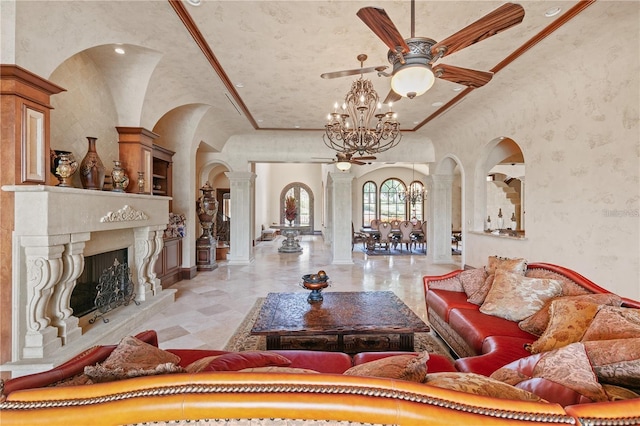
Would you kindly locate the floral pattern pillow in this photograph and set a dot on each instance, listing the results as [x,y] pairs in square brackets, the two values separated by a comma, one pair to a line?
[472,280]
[616,361]
[569,320]
[132,358]
[537,323]
[478,297]
[614,323]
[517,265]
[569,287]
[403,367]
[479,385]
[570,367]
[515,297]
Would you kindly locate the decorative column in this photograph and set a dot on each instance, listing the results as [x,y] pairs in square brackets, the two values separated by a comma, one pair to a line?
[147,244]
[44,266]
[242,185]
[72,267]
[439,218]
[341,212]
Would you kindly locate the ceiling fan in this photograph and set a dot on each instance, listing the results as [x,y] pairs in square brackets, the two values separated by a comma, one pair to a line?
[414,59]
[344,160]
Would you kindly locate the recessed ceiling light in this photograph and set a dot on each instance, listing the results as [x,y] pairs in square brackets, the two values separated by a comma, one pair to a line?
[260,120]
[437,104]
[194,2]
[553,11]
[239,85]
[296,126]
[119,50]
[457,89]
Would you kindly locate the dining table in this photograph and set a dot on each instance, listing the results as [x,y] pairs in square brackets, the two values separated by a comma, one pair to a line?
[373,233]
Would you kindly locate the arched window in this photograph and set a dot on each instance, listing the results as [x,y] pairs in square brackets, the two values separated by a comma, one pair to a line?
[304,203]
[391,207]
[369,203]
[416,206]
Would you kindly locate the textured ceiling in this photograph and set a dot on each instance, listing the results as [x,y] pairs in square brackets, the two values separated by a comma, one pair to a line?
[277,50]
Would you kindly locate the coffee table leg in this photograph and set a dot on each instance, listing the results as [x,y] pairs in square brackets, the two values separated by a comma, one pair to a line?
[273,342]
[406,342]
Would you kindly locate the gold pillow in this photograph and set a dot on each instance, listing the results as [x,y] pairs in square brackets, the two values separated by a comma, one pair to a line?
[403,367]
[515,297]
[516,265]
[570,367]
[538,322]
[472,280]
[614,323]
[479,385]
[569,319]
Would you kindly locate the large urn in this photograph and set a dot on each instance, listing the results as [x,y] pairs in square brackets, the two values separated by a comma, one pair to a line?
[207,207]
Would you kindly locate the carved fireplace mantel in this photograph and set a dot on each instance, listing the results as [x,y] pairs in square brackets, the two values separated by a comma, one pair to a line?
[54,229]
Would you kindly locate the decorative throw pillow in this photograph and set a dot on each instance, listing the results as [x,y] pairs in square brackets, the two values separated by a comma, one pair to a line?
[570,367]
[472,280]
[616,361]
[515,297]
[479,385]
[614,323]
[234,361]
[517,265]
[100,373]
[403,367]
[569,320]
[618,393]
[132,358]
[478,297]
[537,323]
[569,287]
[133,352]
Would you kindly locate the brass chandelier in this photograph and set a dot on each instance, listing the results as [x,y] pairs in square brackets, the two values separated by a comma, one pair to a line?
[415,192]
[349,129]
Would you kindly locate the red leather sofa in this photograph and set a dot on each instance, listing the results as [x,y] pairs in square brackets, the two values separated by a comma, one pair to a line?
[485,343]
[323,362]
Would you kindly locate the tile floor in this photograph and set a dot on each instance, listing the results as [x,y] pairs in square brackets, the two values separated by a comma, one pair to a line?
[208,308]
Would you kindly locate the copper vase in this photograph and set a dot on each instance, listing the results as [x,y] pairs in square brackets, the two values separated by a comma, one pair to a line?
[91,168]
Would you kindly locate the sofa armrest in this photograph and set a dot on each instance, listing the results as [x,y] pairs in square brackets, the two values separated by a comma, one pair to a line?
[448,281]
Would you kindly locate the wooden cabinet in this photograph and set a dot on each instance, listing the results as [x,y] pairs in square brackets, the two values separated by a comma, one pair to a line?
[168,265]
[162,172]
[136,152]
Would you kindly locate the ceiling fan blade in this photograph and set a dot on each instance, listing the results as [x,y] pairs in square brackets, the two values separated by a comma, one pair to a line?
[504,17]
[346,73]
[466,76]
[359,163]
[380,23]
[370,157]
[391,97]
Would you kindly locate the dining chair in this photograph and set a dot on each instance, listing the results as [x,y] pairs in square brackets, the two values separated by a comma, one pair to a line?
[406,229]
[385,239]
[395,224]
[358,237]
[374,224]
[421,238]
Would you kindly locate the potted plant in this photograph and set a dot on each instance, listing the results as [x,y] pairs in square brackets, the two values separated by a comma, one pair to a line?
[290,211]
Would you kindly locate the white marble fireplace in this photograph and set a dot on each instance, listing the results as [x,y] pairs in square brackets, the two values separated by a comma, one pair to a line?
[55,228]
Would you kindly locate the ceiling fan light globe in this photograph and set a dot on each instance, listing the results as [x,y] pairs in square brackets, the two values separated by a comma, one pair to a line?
[412,80]
[343,165]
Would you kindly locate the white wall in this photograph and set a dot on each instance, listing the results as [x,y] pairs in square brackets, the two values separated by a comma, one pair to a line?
[579,133]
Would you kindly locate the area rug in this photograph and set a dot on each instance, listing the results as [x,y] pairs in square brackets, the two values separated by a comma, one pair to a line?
[242,340]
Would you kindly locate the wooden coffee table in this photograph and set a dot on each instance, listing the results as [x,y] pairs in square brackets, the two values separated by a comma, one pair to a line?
[348,322]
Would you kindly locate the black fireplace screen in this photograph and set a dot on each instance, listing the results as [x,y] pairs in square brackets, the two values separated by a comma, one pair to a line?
[104,284]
